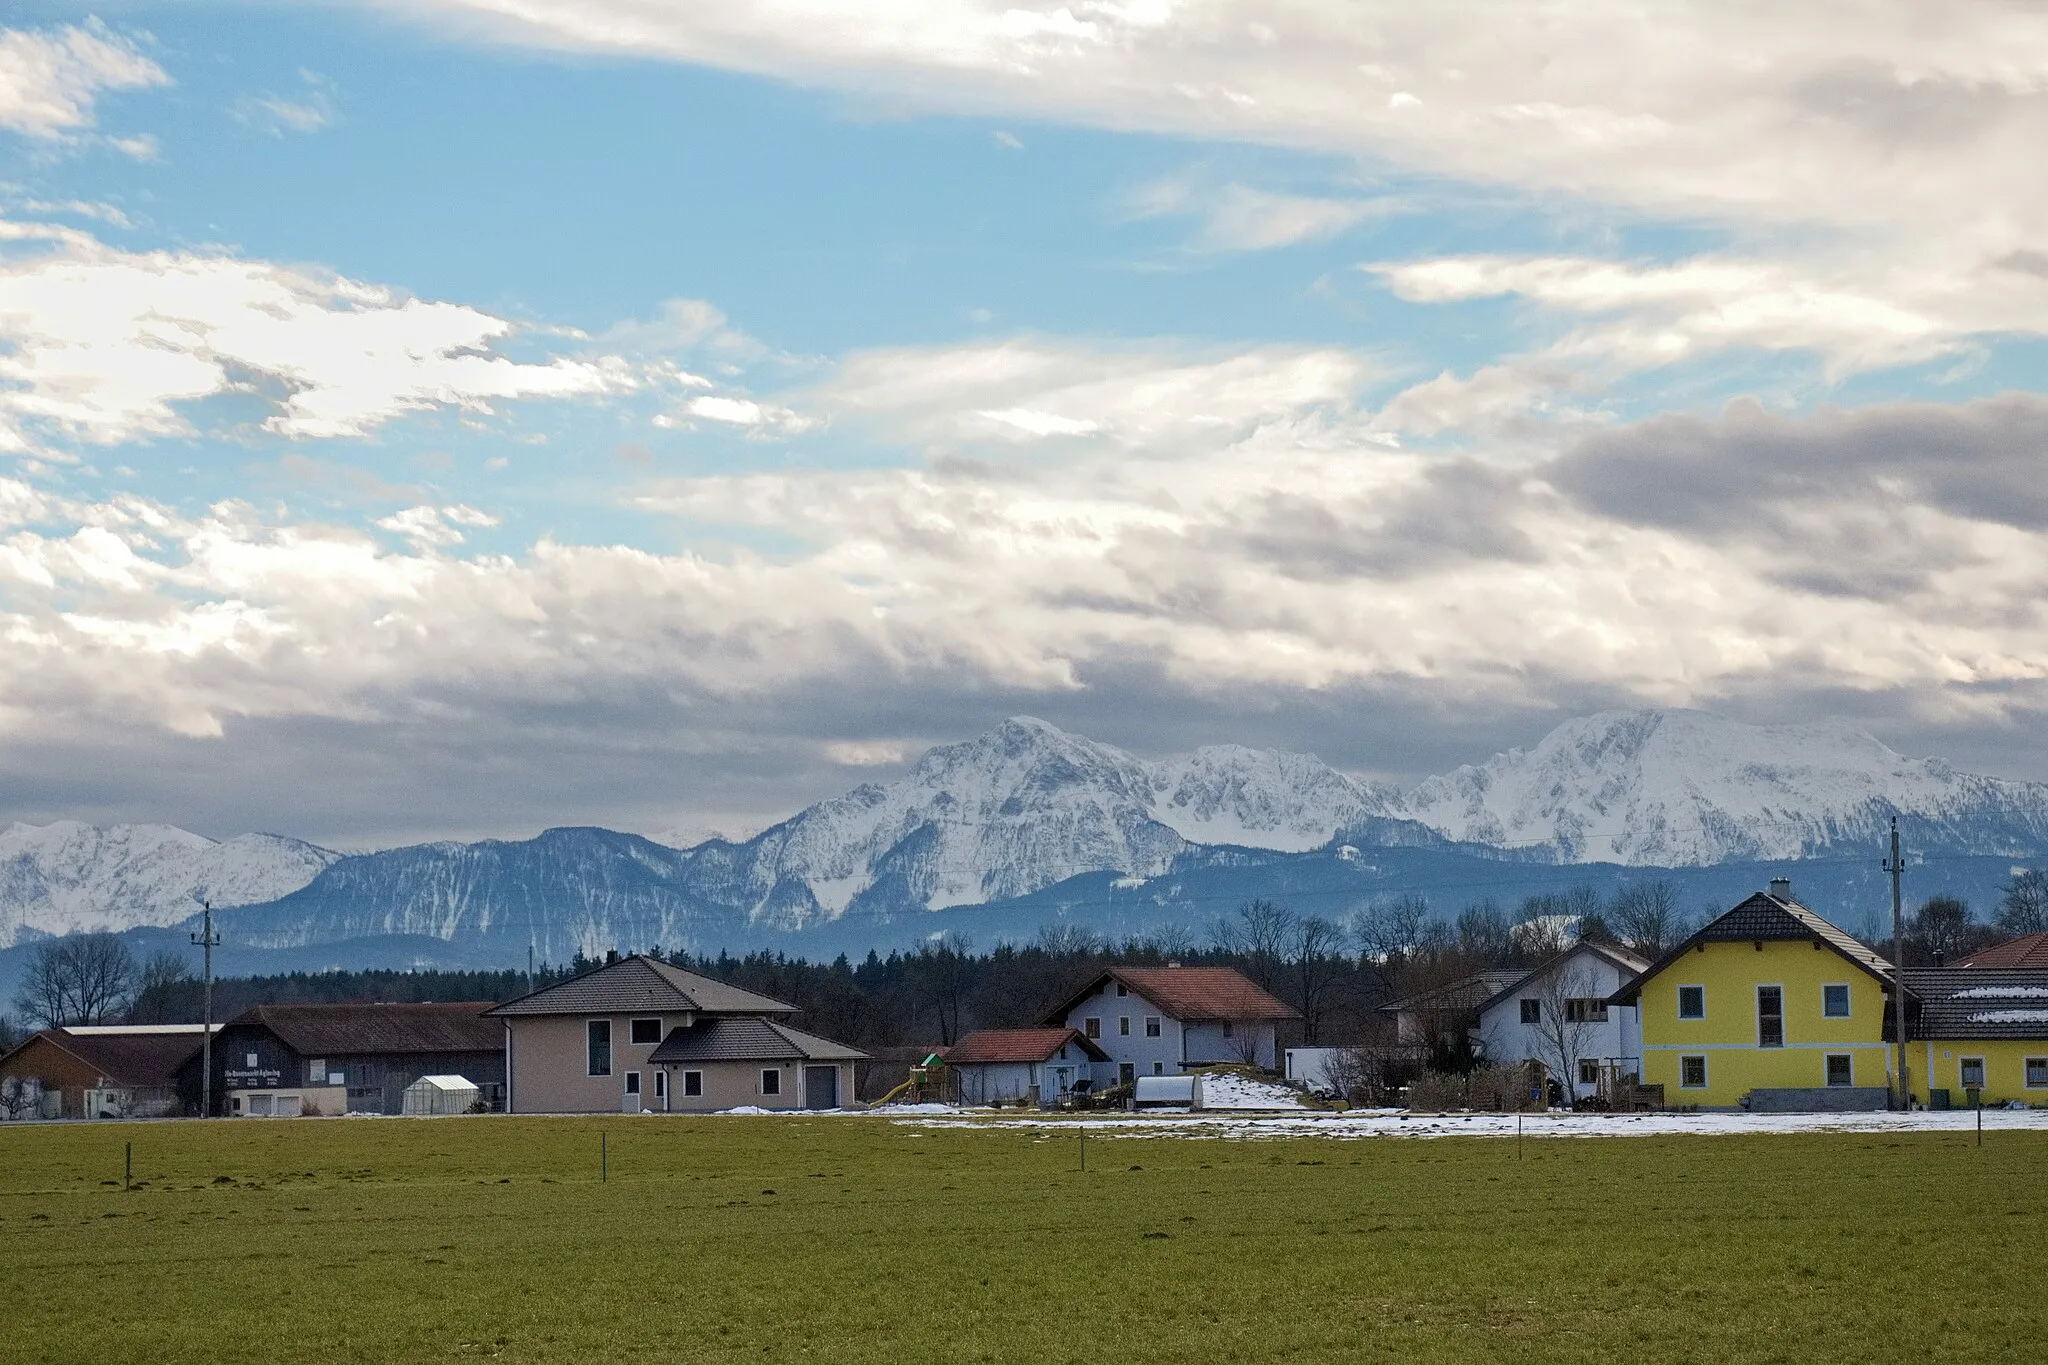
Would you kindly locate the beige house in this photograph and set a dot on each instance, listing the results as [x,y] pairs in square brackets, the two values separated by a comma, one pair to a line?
[640,1035]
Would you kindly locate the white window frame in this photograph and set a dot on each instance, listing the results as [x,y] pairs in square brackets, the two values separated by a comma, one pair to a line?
[1123,1026]
[1122,990]
[589,1025]
[1091,1028]
[771,1081]
[1159,1068]
[1692,986]
[632,1082]
[1585,1064]
[2027,1065]
[661,1085]
[1848,999]
[1155,1025]
[1963,1071]
[1827,1061]
[631,1041]
[693,1085]
[1684,1084]
[1531,1010]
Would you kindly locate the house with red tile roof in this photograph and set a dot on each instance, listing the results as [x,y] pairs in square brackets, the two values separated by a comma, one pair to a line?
[1161,1021]
[1046,1065]
[2021,953]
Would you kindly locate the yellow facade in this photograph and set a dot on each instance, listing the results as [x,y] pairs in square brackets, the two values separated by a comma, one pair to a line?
[1941,1062]
[1725,1040]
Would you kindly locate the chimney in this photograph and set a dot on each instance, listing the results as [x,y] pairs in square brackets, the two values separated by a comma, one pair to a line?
[1781,887]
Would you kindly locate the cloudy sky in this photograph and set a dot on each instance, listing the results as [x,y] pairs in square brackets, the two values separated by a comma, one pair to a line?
[458,417]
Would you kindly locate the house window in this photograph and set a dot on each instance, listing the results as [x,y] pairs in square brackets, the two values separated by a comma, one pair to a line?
[1841,1070]
[1589,1071]
[1152,1026]
[1692,1073]
[599,1032]
[1126,1073]
[1123,1026]
[1834,1002]
[693,1084]
[1122,990]
[771,1080]
[646,1031]
[1532,1011]
[661,1085]
[1973,1073]
[1092,1027]
[632,1082]
[1770,1016]
[1692,1002]
[1159,1068]
[316,1071]
[1228,1030]
[1585,1010]
[2037,1073]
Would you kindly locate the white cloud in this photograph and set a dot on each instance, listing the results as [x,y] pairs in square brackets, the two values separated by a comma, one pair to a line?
[1782,112]
[49,80]
[106,346]
[1239,218]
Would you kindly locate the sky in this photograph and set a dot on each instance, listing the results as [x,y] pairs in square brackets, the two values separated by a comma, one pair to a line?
[460,417]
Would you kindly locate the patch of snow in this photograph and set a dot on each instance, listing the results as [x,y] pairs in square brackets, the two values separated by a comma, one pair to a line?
[1230,1090]
[748,1109]
[2002,993]
[2011,1017]
[1384,1123]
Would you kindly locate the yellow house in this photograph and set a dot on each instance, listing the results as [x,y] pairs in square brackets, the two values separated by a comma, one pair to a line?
[1978,1031]
[1769,1007]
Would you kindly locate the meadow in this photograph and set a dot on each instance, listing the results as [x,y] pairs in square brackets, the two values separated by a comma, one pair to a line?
[857,1239]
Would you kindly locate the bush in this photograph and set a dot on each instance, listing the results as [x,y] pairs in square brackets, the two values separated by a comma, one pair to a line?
[1497,1089]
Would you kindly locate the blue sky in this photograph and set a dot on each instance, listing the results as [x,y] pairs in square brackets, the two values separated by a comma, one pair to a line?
[660,417]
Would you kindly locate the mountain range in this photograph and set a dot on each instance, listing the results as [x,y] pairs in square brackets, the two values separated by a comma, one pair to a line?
[1017,814]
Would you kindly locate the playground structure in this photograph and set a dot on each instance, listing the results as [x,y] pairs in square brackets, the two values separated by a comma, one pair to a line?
[931,1082]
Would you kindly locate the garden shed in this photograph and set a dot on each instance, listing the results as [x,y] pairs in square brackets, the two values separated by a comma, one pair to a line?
[440,1095]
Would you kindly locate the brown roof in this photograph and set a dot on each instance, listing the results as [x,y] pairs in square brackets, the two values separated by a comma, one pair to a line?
[1466,993]
[640,983]
[1019,1045]
[351,1030]
[1189,994]
[137,1059]
[2031,951]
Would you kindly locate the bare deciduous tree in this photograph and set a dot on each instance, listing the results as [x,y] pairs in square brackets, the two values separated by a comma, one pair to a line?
[2024,908]
[1259,937]
[1570,1011]
[1388,931]
[1645,914]
[77,979]
[1317,966]
[159,987]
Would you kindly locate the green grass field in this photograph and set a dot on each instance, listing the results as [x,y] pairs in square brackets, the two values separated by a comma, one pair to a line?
[836,1239]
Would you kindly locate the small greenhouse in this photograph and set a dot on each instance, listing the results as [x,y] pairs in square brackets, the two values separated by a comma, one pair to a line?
[440,1095]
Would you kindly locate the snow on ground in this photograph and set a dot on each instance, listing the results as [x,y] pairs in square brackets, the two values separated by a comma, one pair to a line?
[1228,1090]
[1373,1123]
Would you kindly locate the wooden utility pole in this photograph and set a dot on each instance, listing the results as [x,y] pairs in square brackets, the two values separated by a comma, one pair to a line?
[1896,865]
[208,940]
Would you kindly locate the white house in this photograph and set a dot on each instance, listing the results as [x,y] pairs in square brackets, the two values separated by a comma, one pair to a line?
[1558,1015]
[1000,1065]
[1158,1021]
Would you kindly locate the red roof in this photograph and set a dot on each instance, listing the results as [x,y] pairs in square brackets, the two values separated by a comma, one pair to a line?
[1189,994]
[2031,951]
[1018,1045]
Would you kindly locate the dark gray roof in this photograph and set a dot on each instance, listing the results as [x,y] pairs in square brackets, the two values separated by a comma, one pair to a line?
[635,984]
[350,1030]
[1980,1002]
[1624,961]
[748,1039]
[1466,993]
[1765,918]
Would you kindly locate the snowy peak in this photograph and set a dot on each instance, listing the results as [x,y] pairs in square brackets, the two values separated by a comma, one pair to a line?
[1261,798]
[69,875]
[1684,788]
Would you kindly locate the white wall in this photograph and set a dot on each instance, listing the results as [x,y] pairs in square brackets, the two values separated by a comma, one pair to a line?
[1505,1039]
[1149,1056]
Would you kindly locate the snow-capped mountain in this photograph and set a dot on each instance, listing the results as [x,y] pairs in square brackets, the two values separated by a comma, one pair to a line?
[1686,788]
[69,875]
[1027,805]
